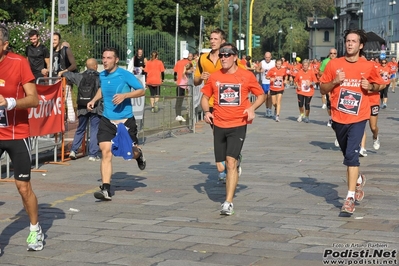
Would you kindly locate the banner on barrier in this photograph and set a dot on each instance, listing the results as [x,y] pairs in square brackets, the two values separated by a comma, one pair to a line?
[139,103]
[48,117]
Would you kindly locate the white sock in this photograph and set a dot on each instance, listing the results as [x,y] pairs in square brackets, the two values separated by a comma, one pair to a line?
[34,227]
[351,194]
[359,179]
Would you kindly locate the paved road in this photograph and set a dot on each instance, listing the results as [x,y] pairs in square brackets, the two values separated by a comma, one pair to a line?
[287,202]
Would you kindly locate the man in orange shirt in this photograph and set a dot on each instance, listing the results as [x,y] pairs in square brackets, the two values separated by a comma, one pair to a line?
[349,80]
[18,93]
[230,87]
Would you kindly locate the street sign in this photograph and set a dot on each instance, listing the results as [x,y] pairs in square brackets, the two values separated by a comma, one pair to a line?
[293,54]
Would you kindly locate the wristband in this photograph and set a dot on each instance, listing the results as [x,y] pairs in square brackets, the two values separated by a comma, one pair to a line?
[11,103]
[207,111]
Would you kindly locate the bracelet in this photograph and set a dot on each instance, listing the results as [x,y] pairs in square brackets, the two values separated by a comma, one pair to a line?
[11,103]
[207,111]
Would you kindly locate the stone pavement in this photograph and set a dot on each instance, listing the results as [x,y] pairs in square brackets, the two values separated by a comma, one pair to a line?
[287,202]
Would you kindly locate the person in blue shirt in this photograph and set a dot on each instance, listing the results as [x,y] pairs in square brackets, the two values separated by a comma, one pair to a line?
[118,86]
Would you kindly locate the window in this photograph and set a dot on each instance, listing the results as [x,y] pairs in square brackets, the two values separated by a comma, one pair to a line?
[326,36]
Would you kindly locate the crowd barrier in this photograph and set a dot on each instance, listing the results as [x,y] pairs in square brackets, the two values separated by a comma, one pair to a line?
[47,119]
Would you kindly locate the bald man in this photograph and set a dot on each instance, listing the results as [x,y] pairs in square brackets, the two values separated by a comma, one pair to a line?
[264,67]
[88,84]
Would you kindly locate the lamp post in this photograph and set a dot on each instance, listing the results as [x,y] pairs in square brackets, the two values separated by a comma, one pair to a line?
[335,18]
[291,28]
[280,31]
[315,22]
[359,13]
[130,31]
[390,23]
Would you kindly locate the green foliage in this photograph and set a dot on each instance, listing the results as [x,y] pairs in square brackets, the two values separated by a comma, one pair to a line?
[19,35]
[82,47]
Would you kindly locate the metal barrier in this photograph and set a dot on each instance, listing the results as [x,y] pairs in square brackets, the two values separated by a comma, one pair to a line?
[164,120]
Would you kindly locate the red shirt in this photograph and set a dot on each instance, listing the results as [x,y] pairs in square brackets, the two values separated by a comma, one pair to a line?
[231,96]
[385,73]
[305,81]
[154,68]
[279,76]
[349,102]
[14,73]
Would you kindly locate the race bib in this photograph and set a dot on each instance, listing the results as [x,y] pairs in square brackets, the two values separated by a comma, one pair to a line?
[349,101]
[230,94]
[3,117]
[278,82]
[304,86]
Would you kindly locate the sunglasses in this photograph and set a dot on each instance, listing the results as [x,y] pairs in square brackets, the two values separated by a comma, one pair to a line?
[226,55]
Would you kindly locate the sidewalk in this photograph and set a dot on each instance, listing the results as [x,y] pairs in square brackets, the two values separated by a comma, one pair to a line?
[287,202]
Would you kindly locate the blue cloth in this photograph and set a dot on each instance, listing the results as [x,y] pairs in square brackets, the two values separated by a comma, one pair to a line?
[119,81]
[122,144]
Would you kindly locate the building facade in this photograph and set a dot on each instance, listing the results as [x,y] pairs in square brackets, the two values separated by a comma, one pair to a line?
[321,36]
[380,17]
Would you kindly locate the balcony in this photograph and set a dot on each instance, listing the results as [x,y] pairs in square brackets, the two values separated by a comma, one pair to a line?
[352,7]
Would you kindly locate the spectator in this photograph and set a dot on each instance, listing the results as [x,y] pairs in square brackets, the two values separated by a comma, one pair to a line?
[38,55]
[63,59]
[88,83]
[155,76]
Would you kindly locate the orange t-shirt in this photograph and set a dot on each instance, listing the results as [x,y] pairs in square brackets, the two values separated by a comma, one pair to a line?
[349,102]
[279,77]
[154,68]
[304,82]
[393,66]
[385,73]
[295,69]
[180,69]
[231,96]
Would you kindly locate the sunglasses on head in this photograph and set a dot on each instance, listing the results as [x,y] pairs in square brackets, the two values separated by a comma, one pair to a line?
[225,55]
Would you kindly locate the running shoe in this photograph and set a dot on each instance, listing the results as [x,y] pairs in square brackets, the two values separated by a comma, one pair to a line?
[359,192]
[277,118]
[363,152]
[299,118]
[376,143]
[103,194]
[72,155]
[152,110]
[384,106]
[349,206]
[227,208]
[329,123]
[222,177]
[35,240]
[156,108]
[324,106]
[94,158]
[336,143]
[141,162]
[306,119]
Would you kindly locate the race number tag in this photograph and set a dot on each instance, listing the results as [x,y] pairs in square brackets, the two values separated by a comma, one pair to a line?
[349,101]
[3,117]
[278,82]
[230,94]
[304,86]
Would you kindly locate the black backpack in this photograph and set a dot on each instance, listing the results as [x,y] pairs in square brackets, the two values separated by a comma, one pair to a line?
[87,88]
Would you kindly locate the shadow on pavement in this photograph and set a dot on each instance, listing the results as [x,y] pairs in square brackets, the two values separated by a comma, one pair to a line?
[124,181]
[20,221]
[325,145]
[215,190]
[325,190]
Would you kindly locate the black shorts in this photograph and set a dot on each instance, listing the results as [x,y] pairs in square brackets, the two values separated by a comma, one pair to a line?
[107,130]
[228,142]
[154,90]
[20,155]
[276,92]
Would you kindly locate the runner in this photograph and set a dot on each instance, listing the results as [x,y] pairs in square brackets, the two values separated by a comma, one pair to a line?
[232,112]
[278,80]
[325,98]
[349,80]
[385,71]
[393,65]
[263,68]
[305,82]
